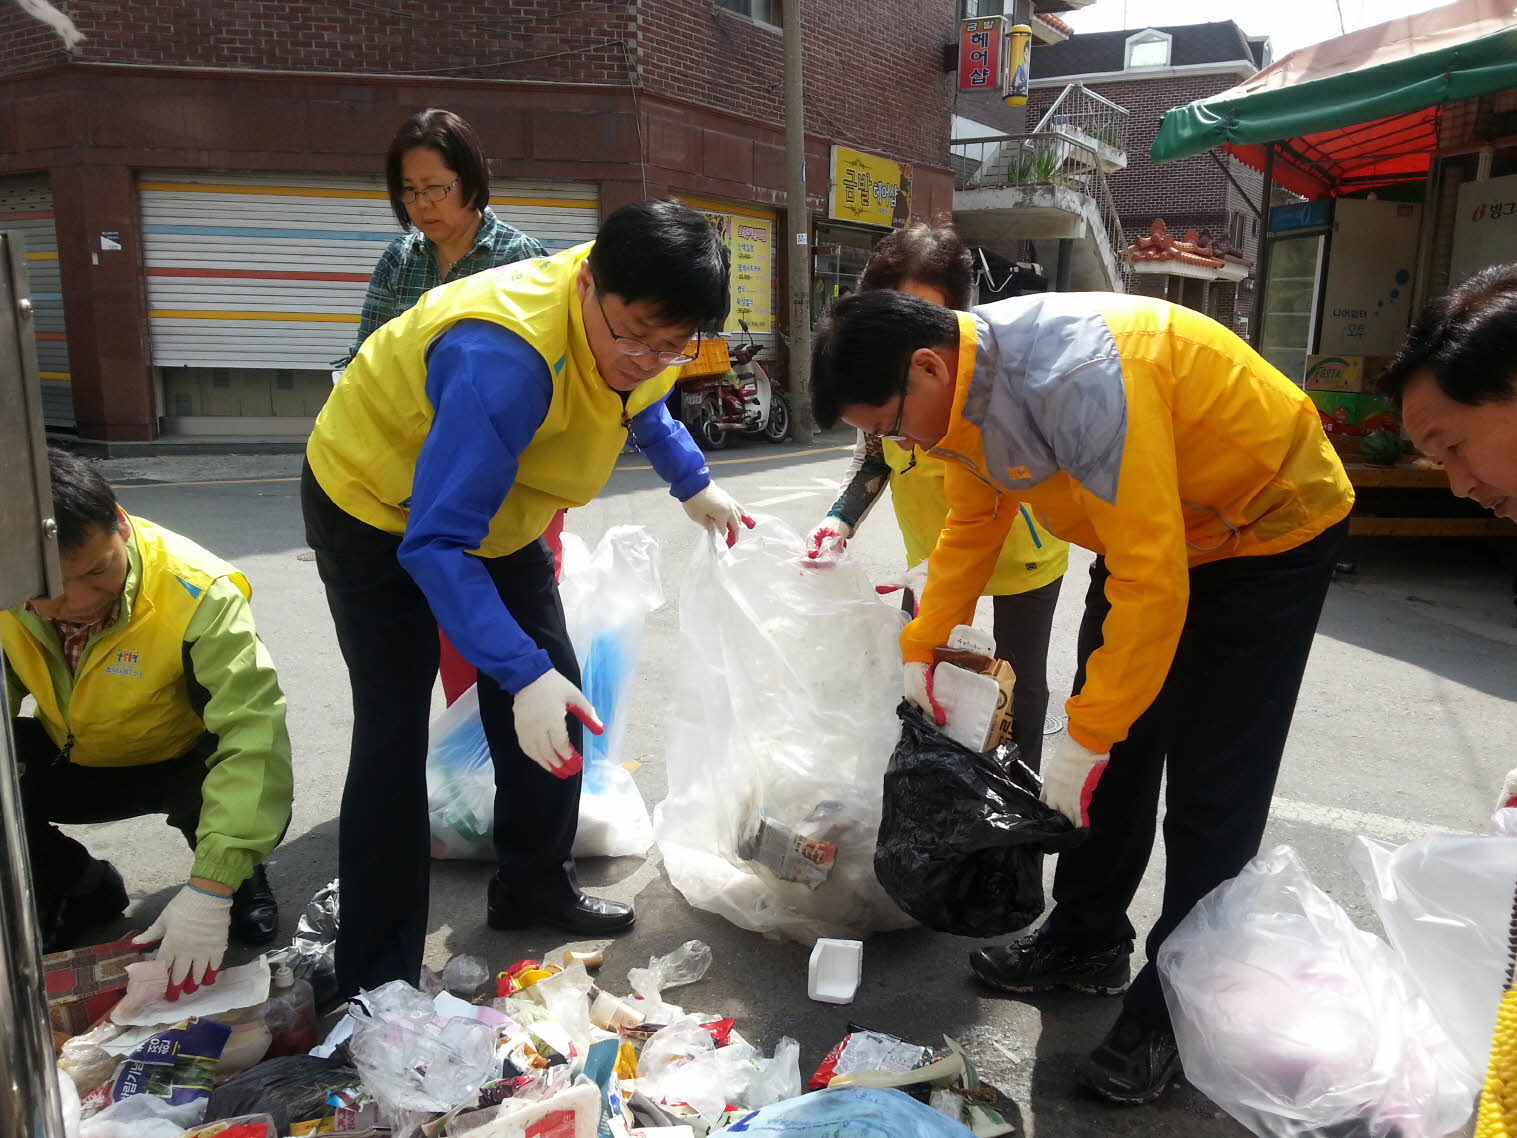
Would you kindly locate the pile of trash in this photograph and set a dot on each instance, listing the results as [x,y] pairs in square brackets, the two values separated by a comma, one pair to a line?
[537,1050]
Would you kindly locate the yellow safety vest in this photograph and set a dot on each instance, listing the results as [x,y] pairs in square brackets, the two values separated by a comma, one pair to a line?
[1031,558]
[127,703]
[369,435]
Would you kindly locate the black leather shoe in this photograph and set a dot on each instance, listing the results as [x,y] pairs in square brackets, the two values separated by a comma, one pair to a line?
[1039,963]
[1133,1065]
[255,912]
[98,898]
[575,912]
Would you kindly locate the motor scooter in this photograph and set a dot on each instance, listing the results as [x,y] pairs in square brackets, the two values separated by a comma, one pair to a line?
[742,401]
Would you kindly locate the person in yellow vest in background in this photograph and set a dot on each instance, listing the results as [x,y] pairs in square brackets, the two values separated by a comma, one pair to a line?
[153,695]
[934,264]
[456,433]
[1154,437]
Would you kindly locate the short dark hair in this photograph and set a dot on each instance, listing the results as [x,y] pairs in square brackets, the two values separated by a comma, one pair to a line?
[934,255]
[455,141]
[1467,338]
[83,500]
[862,347]
[666,253]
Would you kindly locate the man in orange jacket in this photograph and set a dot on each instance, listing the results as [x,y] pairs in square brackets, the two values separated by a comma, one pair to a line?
[1154,437]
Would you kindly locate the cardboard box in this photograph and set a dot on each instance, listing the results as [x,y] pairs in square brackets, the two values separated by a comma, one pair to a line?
[1354,414]
[83,984]
[1357,374]
[1005,678]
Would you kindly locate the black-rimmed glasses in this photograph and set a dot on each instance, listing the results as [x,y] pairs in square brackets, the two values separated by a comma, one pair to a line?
[636,349]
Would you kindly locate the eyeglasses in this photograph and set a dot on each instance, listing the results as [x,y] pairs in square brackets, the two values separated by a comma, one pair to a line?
[636,349]
[430,193]
[894,434]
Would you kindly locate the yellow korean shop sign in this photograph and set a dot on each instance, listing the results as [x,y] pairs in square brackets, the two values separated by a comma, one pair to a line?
[868,189]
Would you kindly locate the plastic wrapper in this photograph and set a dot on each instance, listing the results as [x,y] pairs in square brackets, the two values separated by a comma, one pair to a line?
[1299,1024]
[685,965]
[566,996]
[780,1077]
[848,1110]
[679,1066]
[141,1116]
[85,1061]
[176,1066]
[1446,904]
[465,975]
[68,1100]
[963,834]
[869,1051]
[290,1089]
[607,597]
[782,720]
[411,1059]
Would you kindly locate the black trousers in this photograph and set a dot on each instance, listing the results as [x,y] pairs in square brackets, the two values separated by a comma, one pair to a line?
[1218,727]
[389,641]
[1023,622]
[54,791]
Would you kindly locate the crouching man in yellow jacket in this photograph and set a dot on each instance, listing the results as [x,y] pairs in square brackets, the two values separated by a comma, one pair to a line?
[1154,437]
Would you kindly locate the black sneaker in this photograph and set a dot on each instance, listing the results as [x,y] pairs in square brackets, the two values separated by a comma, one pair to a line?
[98,899]
[1038,963]
[1133,1065]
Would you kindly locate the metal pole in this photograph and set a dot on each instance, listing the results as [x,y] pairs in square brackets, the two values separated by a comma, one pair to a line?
[1261,266]
[29,1101]
[798,218]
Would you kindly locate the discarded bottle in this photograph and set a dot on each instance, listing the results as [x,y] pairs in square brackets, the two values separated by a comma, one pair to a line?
[291,1014]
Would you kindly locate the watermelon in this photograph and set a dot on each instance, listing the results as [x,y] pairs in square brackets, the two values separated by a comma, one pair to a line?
[1381,448]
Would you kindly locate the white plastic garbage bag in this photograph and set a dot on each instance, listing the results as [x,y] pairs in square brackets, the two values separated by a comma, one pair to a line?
[607,597]
[1298,1023]
[781,723]
[1446,904]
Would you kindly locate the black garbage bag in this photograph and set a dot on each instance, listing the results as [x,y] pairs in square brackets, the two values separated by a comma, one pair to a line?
[291,1089]
[962,835]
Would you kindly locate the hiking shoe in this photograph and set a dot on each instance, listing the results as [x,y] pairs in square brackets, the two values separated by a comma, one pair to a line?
[1132,1066]
[1038,963]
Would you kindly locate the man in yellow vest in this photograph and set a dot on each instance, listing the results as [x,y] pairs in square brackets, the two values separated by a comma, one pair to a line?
[1154,437]
[456,433]
[154,696]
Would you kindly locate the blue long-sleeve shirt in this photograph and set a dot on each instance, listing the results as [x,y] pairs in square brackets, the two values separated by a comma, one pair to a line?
[490,391]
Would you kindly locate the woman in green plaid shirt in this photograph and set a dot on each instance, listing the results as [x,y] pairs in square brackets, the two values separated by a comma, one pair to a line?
[439,185]
[440,192]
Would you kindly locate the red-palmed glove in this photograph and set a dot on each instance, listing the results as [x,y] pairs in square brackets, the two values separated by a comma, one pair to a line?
[919,692]
[541,711]
[1070,775]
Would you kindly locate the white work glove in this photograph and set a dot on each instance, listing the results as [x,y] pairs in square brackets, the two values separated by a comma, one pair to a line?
[1070,775]
[1508,791]
[193,929]
[541,711]
[919,692]
[826,543]
[718,511]
[914,579]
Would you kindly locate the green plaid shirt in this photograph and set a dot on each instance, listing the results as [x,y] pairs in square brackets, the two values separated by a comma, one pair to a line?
[408,268]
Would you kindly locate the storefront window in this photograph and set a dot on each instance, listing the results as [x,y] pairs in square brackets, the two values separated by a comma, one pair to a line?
[840,255]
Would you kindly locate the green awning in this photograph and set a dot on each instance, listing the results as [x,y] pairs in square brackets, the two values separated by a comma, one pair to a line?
[1360,103]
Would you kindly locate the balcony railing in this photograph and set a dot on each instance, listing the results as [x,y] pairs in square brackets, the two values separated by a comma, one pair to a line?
[1084,116]
[1046,159]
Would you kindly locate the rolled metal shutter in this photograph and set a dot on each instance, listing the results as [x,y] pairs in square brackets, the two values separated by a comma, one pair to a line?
[268,271]
[26,207]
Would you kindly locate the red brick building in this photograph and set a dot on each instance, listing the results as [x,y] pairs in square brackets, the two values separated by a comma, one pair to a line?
[202,191]
[1148,71]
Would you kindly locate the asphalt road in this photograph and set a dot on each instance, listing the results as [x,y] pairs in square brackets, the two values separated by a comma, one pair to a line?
[1404,728]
